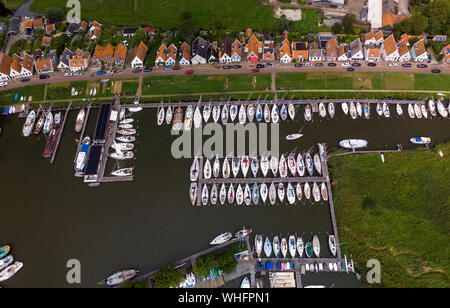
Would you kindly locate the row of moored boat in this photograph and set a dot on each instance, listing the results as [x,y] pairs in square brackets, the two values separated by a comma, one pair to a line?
[8,267]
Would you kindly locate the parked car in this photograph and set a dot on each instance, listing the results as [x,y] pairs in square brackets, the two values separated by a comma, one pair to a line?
[406,64]
[137,70]
[346,64]
[176,68]
[298,65]
[167,68]
[44,76]
[25,79]
[356,64]
[269,65]
[371,64]
[78,74]
[332,64]
[68,75]
[259,65]
[226,67]
[318,64]
[350,69]
[422,65]
[236,66]
[110,72]
[3,83]
[308,64]
[147,70]
[392,64]
[435,71]
[255,70]
[189,72]
[101,73]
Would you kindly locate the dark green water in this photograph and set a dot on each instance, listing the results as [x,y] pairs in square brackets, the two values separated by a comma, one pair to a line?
[49,216]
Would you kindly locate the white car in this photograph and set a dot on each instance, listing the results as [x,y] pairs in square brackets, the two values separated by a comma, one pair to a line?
[68,75]
[346,64]
[78,74]
[3,84]
[308,64]
[393,64]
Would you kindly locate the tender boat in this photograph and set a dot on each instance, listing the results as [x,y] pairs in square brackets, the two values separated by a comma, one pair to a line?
[178,120]
[127,131]
[243,233]
[80,120]
[308,250]
[417,111]
[121,277]
[290,192]
[207,171]
[216,113]
[216,167]
[48,125]
[353,112]
[359,109]
[250,112]
[194,169]
[123,172]
[214,194]
[5,262]
[230,196]
[332,244]
[291,111]
[317,163]
[331,109]
[4,251]
[226,168]
[275,114]
[272,194]
[193,192]
[266,113]
[205,194]
[309,164]
[274,165]
[259,113]
[222,194]
[264,165]
[353,143]
[300,247]
[307,190]
[441,109]
[245,284]
[322,110]
[10,271]
[161,116]
[29,123]
[291,164]
[206,113]
[126,146]
[399,110]
[245,164]
[293,136]
[197,117]
[80,160]
[424,111]
[258,244]
[235,165]
[299,191]
[316,192]
[224,115]
[284,247]
[247,195]
[367,111]
[300,165]
[344,107]
[421,140]
[222,238]
[254,165]
[308,113]
[281,191]
[283,167]
[255,194]
[233,112]
[411,111]
[292,246]
[122,155]
[169,115]
[316,246]
[324,191]
[267,247]
[39,124]
[188,118]
[276,246]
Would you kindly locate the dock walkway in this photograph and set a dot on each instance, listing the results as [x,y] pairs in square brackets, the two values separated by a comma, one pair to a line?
[60,133]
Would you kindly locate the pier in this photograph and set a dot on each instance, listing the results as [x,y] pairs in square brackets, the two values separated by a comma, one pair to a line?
[60,133]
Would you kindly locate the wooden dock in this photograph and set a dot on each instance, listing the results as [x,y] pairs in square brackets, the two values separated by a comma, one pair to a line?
[60,133]
[82,131]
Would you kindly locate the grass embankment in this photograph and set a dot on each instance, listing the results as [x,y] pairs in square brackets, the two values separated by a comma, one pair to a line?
[181,84]
[13,4]
[36,92]
[397,213]
[363,81]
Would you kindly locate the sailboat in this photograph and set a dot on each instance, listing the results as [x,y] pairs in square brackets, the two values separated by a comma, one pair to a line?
[222,238]
[292,246]
[255,194]
[10,271]
[80,120]
[193,192]
[226,168]
[300,247]
[161,116]
[441,109]
[324,191]
[254,165]
[367,111]
[197,117]
[291,164]
[206,113]
[275,115]
[230,195]
[233,112]
[308,113]
[283,113]
[48,125]
[222,194]
[224,115]
[250,112]
[298,191]
[291,111]
[267,247]
[216,113]
[178,119]
[276,246]
[359,109]
[194,169]
[411,111]
[245,164]
[264,191]
[120,277]
[283,167]
[317,163]
[300,165]
[399,110]
[258,244]
[123,172]
[188,118]
[207,171]
[205,194]
[331,109]
[169,115]
[239,195]
[293,136]
[290,194]
[274,165]
[29,123]
[284,247]
[432,107]
[126,146]
[421,140]
[264,165]
[322,110]
[235,165]
[353,143]
[259,113]
[216,167]
[266,113]
[281,192]
[344,107]
[309,164]
[272,194]
[386,111]
[353,112]
[247,195]
[332,244]
[307,190]
[316,246]
[417,111]
[308,250]
[424,111]
[316,192]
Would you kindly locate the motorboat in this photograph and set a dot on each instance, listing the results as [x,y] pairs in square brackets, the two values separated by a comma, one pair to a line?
[188,118]
[254,165]
[169,115]
[359,109]
[81,158]
[224,115]
[122,155]
[216,167]
[308,113]
[235,165]
[316,246]
[205,194]
[284,247]
[276,246]
[274,165]
[57,119]
[322,110]
[216,113]
[353,143]
[421,140]
[194,170]
[299,191]
[283,113]
[206,113]
[197,117]
[300,247]
[293,136]
[136,107]
[29,123]
[214,194]
[177,123]
[353,112]
[233,112]
[291,164]
[272,194]
[258,244]
[292,246]
[48,125]
[290,192]
[424,111]
[275,115]
[4,250]
[222,238]
[283,167]
[332,244]
[247,195]
[344,107]
[316,192]
[226,168]
[10,271]
[245,284]
[230,195]
[222,194]
[307,190]
[331,109]
[399,110]
[441,109]
[264,165]
[126,146]
[126,139]
[250,112]
[243,233]
[5,262]
[309,250]
[123,172]
[80,120]
[267,247]
[122,114]
[291,111]
[367,110]
[417,111]
[317,163]
[309,164]
[127,131]
[324,191]
[245,164]
[300,165]
[193,192]
[386,111]
[207,170]
[39,124]
[121,277]
[281,192]
[267,113]
[126,121]
[255,194]
[411,111]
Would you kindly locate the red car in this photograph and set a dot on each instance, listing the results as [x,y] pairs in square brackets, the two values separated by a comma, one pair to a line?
[176,68]
[255,70]
[189,72]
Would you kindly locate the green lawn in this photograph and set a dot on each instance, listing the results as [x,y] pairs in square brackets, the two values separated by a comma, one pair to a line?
[397,213]
[36,92]
[232,14]
[13,4]
[205,83]
[64,90]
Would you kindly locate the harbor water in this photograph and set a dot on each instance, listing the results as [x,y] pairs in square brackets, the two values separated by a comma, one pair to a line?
[51,217]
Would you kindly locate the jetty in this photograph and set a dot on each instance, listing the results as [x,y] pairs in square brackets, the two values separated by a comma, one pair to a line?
[60,132]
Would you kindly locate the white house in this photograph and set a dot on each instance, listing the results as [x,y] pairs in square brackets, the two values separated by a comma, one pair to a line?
[236,52]
[161,55]
[199,51]
[64,58]
[369,39]
[171,56]
[16,67]
[285,53]
[315,54]
[356,50]
[27,66]
[389,49]
[185,54]
[342,53]
[403,51]
[418,52]
[139,56]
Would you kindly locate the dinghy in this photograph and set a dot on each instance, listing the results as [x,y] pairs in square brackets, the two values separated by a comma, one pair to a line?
[230,195]
[188,118]
[317,163]
[123,172]
[264,191]
[290,192]
[308,250]
[316,192]
[300,247]
[205,194]
[197,117]
[359,109]
[331,109]
[254,165]
[420,140]
[316,246]
[161,114]
[233,112]
[222,238]
[264,165]
[216,167]
[307,191]
[275,115]
[267,113]
[242,115]
[274,165]
[441,109]
[194,170]
[322,110]
[29,123]
[353,143]
[353,112]
[169,115]
[242,234]
[247,195]
[386,111]
[300,165]
[291,164]
[267,247]
[226,168]
[411,111]
[367,111]
[193,193]
[281,192]
[291,111]
[216,113]
[284,247]
[214,194]
[255,194]
[283,113]
[332,244]
[399,110]
[258,244]
[207,171]
[123,146]
[206,113]
[298,191]
[224,115]
[293,136]
[259,113]
[283,167]
[308,113]
[417,111]
[344,107]
[272,194]
[324,191]
[292,246]
[245,164]
[222,194]
[235,165]
[309,164]
[276,246]
[424,111]
[250,112]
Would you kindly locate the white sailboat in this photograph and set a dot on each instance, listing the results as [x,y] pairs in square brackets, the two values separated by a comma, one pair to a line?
[235,166]
[290,192]
[274,165]
[322,110]
[254,165]
[197,117]
[206,113]
[222,194]
[194,169]
[344,107]
[317,163]
[417,111]
[272,194]
[386,111]
[205,194]
[283,167]
[216,113]
[353,112]
[298,191]
[291,111]
[224,115]
[281,192]
[300,165]
[411,111]
[188,118]
[292,246]
[307,191]
[207,171]
[245,164]
[316,246]
[324,191]
[399,110]
[160,115]
[214,194]
[259,113]
[250,112]
[239,195]
[264,165]
[300,247]
[441,109]
[267,113]
[233,112]
[359,109]
[275,115]
[283,113]
[226,170]
[316,192]
[331,109]
[222,238]
[216,167]
[353,143]
[424,111]
[291,164]
[308,113]
[230,196]
[169,115]
[247,195]
[264,191]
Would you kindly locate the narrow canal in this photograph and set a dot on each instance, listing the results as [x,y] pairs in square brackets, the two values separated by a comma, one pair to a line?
[50,217]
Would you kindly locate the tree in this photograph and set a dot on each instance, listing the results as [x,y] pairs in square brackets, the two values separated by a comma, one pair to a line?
[168,276]
[419,24]
[187,26]
[136,285]
[347,22]
[139,36]
[227,262]
[284,24]
[204,264]
[55,14]
[337,28]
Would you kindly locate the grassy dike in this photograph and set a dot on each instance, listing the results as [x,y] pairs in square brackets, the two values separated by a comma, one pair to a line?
[398,213]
